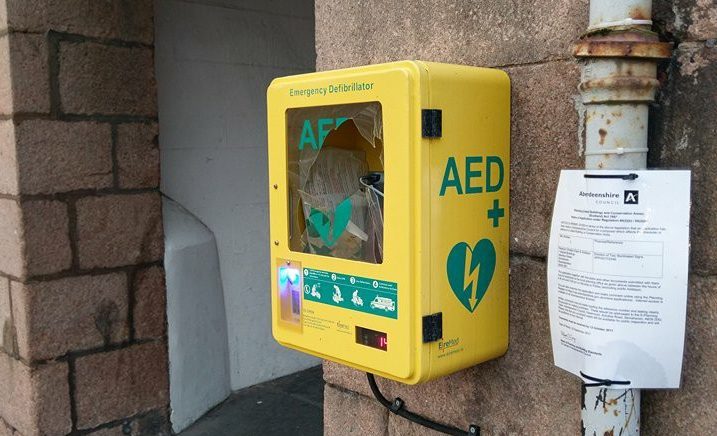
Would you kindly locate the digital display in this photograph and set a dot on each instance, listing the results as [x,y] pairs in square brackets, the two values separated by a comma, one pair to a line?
[371,338]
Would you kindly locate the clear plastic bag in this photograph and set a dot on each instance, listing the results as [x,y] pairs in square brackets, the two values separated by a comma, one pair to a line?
[333,212]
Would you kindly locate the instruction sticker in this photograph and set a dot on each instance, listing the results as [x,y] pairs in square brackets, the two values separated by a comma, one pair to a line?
[617,275]
[376,297]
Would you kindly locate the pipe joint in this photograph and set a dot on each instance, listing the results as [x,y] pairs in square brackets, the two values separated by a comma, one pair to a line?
[618,89]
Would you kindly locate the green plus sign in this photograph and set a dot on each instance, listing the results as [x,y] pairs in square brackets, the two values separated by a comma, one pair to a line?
[496,213]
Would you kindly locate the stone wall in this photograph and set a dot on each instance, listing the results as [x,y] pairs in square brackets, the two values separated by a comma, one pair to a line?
[522,393]
[82,318]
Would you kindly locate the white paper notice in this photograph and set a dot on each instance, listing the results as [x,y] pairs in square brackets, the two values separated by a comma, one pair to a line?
[617,275]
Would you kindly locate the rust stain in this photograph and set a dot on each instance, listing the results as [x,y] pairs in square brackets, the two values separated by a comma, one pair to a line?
[609,433]
[603,134]
[608,122]
[632,84]
[627,47]
[638,13]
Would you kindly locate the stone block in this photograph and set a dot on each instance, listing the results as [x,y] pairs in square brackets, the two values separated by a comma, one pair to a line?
[117,384]
[59,156]
[684,136]
[69,314]
[154,423]
[107,80]
[349,378]
[7,327]
[482,32]
[35,401]
[686,20]
[138,155]
[12,259]
[8,157]
[118,230]
[150,304]
[25,82]
[113,19]
[47,240]
[399,426]
[348,413]
[5,76]
[24,79]
[690,409]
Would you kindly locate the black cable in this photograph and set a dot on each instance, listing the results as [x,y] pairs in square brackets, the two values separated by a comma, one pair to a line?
[602,381]
[396,406]
[631,176]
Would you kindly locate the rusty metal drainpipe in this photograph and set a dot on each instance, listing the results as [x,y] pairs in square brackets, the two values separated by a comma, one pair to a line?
[619,54]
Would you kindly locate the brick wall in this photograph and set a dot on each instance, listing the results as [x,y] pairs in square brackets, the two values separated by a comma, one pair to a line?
[82,317]
[522,392]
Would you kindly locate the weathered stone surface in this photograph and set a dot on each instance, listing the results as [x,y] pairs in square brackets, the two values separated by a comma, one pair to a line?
[12,259]
[348,413]
[25,82]
[55,317]
[7,328]
[399,426]
[108,80]
[686,20]
[35,401]
[5,429]
[5,76]
[121,383]
[58,156]
[544,140]
[504,395]
[115,19]
[118,230]
[350,33]
[690,409]
[47,240]
[150,306]
[349,378]
[8,157]
[685,136]
[138,155]
[154,423]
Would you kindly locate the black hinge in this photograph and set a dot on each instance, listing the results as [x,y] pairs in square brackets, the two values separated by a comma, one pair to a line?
[432,327]
[431,123]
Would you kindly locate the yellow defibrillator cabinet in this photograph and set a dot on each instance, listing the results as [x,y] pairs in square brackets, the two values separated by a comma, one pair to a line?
[389,211]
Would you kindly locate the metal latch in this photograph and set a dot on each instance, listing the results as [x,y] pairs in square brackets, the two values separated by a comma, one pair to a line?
[431,123]
[432,327]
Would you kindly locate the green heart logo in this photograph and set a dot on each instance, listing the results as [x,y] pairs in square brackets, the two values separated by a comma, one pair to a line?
[470,271]
[321,223]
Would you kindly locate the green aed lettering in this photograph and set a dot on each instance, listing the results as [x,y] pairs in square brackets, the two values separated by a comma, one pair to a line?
[323,127]
[479,175]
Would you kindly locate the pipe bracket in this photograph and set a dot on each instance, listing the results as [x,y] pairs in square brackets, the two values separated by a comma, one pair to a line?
[618,150]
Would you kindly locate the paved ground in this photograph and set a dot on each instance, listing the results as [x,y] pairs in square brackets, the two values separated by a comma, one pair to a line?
[286,406]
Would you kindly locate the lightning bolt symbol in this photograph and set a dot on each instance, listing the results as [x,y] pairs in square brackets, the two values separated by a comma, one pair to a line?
[470,279]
